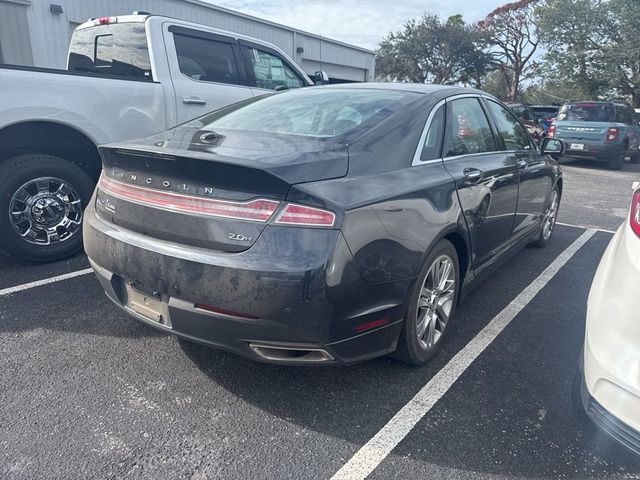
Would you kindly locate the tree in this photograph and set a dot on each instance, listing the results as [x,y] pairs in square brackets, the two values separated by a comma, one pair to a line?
[512,31]
[621,54]
[431,51]
[573,33]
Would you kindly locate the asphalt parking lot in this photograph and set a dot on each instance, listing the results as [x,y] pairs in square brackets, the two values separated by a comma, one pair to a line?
[87,392]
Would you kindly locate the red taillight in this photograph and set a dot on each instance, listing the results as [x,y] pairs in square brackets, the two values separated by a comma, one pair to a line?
[612,134]
[294,214]
[104,21]
[259,210]
[634,216]
[552,131]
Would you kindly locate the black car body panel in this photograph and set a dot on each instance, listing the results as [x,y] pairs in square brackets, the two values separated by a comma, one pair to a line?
[340,288]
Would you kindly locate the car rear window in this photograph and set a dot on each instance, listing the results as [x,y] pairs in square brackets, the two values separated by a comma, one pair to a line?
[318,112]
[117,49]
[587,112]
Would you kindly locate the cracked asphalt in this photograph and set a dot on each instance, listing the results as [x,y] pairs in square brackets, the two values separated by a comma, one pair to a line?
[87,392]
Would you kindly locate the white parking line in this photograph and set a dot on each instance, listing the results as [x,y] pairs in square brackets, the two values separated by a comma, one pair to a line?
[45,281]
[376,450]
[585,228]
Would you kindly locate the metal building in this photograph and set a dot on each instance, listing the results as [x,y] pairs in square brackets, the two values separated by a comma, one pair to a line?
[37,33]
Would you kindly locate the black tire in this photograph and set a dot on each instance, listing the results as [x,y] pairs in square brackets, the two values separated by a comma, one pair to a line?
[616,161]
[543,240]
[19,171]
[635,158]
[409,349]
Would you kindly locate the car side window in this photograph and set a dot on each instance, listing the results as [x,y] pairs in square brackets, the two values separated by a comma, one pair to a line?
[513,134]
[206,60]
[270,71]
[433,140]
[468,129]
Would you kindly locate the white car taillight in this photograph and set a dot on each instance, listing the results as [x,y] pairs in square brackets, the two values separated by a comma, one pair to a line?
[634,217]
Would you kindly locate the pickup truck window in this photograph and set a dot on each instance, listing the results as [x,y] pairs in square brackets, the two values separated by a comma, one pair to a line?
[270,71]
[116,49]
[206,60]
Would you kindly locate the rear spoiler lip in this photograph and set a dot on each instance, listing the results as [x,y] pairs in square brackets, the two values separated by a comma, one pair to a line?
[286,171]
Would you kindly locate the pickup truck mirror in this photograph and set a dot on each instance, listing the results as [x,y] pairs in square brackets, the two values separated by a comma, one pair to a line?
[320,77]
[552,147]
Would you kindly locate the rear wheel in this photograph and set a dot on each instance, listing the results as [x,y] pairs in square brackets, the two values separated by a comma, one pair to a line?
[616,161]
[41,207]
[431,306]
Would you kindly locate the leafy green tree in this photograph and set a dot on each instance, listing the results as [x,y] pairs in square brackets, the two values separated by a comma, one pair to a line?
[621,53]
[573,33]
[513,34]
[429,50]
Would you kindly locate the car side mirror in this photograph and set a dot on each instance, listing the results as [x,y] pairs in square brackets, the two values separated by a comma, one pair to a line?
[552,147]
[320,77]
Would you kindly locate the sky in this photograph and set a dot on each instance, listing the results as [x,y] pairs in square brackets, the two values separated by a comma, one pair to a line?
[361,23]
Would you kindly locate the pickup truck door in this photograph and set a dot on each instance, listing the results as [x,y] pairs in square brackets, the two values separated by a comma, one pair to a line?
[206,70]
[268,70]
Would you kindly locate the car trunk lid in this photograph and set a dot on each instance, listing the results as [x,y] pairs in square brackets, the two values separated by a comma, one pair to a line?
[209,189]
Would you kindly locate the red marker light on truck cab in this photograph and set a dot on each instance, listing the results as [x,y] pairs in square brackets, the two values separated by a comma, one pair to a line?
[634,215]
[294,214]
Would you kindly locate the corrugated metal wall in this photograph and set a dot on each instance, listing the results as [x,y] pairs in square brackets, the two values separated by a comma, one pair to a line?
[14,33]
[50,33]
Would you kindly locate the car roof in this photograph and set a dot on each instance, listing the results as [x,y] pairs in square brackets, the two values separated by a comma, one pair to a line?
[424,88]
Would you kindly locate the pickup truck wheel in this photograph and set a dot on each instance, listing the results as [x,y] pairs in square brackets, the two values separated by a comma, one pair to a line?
[615,162]
[41,207]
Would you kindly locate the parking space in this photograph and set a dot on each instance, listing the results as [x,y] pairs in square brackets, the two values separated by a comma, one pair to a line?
[88,392]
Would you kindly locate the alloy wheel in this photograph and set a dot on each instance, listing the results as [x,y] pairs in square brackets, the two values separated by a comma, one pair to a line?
[45,211]
[550,216]
[435,302]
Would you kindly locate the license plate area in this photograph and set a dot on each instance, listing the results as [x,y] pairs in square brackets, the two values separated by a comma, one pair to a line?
[576,146]
[148,306]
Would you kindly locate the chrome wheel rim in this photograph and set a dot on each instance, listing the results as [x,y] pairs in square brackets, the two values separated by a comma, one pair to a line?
[435,301]
[549,220]
[45,211]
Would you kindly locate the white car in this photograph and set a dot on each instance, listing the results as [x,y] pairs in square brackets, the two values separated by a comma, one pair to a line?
[608,383]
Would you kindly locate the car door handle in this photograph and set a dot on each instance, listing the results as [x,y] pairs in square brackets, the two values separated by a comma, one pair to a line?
[472,174]
[194,101]
[521,163]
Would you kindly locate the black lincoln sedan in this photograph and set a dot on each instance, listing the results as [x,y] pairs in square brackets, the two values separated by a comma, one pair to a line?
[323,225]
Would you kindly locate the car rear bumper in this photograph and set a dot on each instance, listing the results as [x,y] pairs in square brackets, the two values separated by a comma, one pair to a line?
[270,304]
[606,421]
[612,339]
[595,151]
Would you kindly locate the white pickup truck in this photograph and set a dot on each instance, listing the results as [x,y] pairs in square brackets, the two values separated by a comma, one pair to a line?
[126,77]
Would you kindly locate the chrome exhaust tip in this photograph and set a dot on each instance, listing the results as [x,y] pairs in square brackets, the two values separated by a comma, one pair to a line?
[279,353]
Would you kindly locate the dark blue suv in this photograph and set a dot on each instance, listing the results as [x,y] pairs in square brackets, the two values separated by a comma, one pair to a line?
[606,131]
